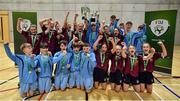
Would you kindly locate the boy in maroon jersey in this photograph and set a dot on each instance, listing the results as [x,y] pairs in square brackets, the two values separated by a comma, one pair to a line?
[102,59]
[80,29]
[147,66]
[131,69]
[31,36]
[66,29]
[44,23]
[104,30]
[116,69]
[118,37]
[50,37]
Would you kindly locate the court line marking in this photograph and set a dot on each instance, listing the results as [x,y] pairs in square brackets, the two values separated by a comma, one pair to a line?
[139,96]
[9,80]
[12,81]
[45,99]
[162,74]
[167,88]
[5,69]
[175,84]
[86,96]
[24,99]
[158,95]
[4,90]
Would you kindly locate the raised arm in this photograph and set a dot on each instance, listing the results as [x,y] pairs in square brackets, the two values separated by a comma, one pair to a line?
[114,45]
[152,51]
[9,53]
[141,32]
[138,34]
[125,30]
[71,42]
[124,50]
[164,51]
[69,45]
[97,42]
[75,22]
[49,27]
[86,24]
[18,25]
[41,22]
[57,57]
[65,20]
[101,29]
[97,26]
[58,27]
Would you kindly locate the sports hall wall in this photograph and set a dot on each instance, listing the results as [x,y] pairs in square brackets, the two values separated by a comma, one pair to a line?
[132,10]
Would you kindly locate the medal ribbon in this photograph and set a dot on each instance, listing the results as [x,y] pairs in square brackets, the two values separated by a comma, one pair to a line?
[133,59]
[63,61]
[102,57]
[116,61]
[29,66]
[106,39]
[80,36]
[76,57]
[145,63]
[49,35]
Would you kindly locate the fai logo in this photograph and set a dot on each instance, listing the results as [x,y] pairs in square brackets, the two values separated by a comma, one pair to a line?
[25,24]
[159,26]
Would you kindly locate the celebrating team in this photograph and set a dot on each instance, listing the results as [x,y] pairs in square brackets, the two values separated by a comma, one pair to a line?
[91,54]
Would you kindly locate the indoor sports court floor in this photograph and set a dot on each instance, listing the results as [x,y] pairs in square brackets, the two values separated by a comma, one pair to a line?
[165,87]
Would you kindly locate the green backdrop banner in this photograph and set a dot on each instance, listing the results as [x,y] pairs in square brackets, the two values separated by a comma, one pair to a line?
[18,38]
[161,26]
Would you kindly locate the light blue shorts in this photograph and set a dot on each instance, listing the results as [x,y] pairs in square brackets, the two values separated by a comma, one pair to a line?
[27,87]
[87,83]
[61,81]
[74,79]
[44,84]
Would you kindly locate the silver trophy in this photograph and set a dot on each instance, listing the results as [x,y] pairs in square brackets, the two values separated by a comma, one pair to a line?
[85,12]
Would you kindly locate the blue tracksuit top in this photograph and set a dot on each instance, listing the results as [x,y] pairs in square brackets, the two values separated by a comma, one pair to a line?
[87,65]
[26,66]
[44,63]
[62,61]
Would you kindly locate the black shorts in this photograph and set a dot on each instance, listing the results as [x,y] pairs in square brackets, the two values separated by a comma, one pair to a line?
[116,77]
[146,77]
[128,79]
[100,75]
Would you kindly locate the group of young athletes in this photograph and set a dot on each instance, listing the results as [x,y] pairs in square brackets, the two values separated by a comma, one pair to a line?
[88,57]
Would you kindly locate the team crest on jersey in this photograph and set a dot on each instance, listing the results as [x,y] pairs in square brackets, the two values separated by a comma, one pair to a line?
[159,26]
